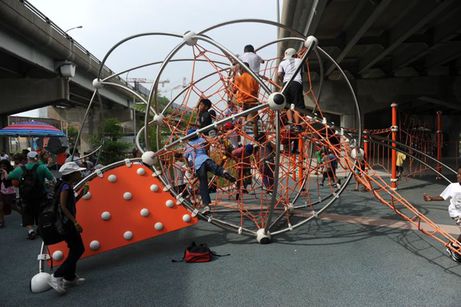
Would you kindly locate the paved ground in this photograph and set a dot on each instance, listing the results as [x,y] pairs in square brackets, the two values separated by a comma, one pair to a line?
[351,257]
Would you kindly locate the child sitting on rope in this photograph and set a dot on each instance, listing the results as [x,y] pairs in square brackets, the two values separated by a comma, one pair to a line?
[452,192]
[196,155]
[246,89]
[266,158]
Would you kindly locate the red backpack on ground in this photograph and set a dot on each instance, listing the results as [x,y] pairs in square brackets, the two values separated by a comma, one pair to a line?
[198,253]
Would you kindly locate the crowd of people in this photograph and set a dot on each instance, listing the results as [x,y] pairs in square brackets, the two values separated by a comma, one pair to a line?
[30,180]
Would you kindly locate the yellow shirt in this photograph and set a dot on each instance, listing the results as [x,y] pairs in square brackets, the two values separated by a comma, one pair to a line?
[400,158]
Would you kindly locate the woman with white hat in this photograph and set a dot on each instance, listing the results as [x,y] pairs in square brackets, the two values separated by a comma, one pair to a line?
[65,275]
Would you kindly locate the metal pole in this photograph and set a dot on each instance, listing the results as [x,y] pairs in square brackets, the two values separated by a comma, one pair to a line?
[394,130]
[439,139]
[365,145]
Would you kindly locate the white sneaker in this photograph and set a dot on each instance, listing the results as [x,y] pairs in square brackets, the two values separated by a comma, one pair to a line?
[57,283]
[75,282]
[453,254]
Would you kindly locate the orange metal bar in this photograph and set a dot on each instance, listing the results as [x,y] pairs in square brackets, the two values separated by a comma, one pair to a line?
[394,129]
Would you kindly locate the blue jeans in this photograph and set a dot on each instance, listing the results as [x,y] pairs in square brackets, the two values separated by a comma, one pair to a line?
[202,174]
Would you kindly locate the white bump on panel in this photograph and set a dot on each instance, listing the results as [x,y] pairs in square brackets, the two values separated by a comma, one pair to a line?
[140,171]
[57,255]
[128,235]
[112,178]
[106,215]
[158,226]
[127,196]
[186,218]
[154,188]
[87,195]
[95,245]
[144,212]
[169,203]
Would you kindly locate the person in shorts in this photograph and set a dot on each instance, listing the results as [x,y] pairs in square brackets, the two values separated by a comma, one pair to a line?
[452,192]
[246,89]
[294,92]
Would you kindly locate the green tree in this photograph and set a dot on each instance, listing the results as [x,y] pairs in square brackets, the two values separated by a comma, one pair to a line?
[112,150]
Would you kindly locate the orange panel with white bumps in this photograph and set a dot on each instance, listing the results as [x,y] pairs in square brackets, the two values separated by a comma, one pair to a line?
[124,205]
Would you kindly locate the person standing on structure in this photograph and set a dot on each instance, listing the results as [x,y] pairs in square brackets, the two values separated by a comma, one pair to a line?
[452,192]
[294,91]
[254,61]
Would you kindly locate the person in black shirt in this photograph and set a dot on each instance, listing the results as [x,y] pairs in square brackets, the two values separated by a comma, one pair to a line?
[205,117]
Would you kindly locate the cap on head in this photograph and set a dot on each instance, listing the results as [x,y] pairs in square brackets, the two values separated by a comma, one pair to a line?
[32,155]
[289,53]
[69,168]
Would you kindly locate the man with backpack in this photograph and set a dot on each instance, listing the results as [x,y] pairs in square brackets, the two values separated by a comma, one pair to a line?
[32,191]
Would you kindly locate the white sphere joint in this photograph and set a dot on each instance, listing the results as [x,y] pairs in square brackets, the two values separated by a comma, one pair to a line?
[39,283]
[189,38]
[144,212]
[263,236]
[154,188]
[106,215]
[276,101]
[95,245]
[158,226]
[112,178]
[158,119]
[186,218]
[127,196]
[97,83]
[148,158]
[311,42]
[128,235]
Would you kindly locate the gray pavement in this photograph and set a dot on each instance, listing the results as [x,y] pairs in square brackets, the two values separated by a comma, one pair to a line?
[325,263]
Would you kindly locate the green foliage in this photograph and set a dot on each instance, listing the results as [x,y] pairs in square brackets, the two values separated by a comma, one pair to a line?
[72,133]
[112,149]
[112,129]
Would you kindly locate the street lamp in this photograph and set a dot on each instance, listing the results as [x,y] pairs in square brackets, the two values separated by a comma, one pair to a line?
[77,27]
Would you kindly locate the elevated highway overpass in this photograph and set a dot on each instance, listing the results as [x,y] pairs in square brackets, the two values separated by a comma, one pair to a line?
[35,58]
[407,52]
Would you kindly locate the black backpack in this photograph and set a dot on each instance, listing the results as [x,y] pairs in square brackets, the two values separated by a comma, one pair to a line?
[30,187]
[50,226]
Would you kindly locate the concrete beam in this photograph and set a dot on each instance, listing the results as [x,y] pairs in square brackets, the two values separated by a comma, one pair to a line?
[446,52]
[375,94]
[442,33]
[368,14]
[20,95]
[407,27]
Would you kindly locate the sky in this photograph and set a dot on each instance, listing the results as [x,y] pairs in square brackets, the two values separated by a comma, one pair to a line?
[105,22]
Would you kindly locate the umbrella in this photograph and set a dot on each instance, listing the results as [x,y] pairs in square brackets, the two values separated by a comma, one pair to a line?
[31,128]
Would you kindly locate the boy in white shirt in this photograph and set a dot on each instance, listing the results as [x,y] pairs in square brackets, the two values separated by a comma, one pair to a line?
[452,191]
[294,91]
[254,61]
